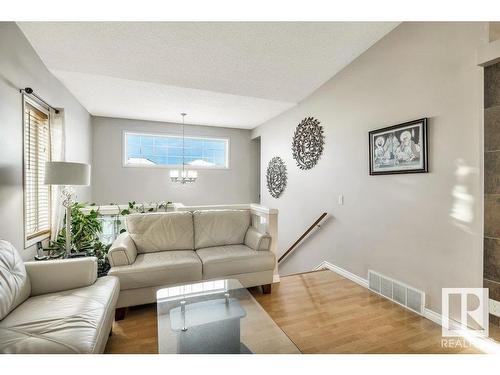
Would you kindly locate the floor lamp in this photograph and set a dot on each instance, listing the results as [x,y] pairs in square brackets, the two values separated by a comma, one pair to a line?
[67,174]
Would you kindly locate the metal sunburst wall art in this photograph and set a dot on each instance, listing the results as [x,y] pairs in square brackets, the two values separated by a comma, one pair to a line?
[276,176]
[307,144]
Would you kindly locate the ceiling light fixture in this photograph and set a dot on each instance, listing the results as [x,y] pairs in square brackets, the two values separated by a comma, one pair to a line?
[183,176]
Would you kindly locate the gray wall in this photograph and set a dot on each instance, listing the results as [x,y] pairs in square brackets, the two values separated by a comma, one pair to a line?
[20,67]
[111,182]
[415,227]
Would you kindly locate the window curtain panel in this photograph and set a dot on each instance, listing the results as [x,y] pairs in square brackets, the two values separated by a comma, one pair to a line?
[57,139]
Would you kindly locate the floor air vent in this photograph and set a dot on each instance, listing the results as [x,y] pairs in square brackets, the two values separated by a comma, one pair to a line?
[396,291]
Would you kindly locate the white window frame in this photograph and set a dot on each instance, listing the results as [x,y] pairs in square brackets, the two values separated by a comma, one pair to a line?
[169,135]
[45,235]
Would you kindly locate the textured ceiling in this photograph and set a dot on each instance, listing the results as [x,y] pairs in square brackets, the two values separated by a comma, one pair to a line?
[222,74]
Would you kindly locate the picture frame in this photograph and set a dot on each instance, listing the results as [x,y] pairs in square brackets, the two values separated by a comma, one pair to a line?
[399,149]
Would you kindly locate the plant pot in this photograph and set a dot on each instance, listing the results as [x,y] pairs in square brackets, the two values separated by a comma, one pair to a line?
[103,269]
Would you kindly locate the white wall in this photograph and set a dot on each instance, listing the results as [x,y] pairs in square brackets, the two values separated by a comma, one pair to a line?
[399,225]
[21,67]
[113,183]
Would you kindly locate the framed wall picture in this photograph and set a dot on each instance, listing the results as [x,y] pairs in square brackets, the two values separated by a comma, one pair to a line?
[399,149]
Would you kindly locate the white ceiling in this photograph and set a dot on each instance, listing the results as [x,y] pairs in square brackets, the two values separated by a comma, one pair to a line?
[232,74]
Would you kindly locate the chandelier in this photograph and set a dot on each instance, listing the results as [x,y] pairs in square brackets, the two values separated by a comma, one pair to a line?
[183,176]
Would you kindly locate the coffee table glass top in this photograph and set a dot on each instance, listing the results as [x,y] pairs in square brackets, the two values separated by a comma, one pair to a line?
[216,316]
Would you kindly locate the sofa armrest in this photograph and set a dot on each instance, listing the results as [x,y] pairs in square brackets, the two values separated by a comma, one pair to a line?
[256,240]
[61,274]
[123,251]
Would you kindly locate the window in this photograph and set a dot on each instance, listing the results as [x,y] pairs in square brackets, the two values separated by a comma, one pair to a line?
[36,153]
[159,150]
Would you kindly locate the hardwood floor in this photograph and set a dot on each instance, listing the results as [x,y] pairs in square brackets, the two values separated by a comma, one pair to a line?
[137,333]
[321,312]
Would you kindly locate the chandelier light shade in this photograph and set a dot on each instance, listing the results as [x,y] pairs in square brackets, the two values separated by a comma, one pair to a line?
[183,176]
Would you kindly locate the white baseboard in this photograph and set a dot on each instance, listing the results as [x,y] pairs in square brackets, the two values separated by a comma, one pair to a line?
[494,307]
[342,272]
[427,313]
[486,345]
[432,316]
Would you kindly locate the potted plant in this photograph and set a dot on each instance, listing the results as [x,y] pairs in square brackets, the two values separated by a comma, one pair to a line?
[85,230]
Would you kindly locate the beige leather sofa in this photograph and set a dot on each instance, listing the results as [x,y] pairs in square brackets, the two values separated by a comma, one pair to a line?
[55,306]
[161,249]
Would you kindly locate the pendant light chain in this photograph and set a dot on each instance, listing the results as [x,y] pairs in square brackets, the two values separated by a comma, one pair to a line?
[183,147]
[190,175]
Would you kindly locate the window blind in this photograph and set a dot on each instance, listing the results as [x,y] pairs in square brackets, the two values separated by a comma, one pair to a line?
[36,153]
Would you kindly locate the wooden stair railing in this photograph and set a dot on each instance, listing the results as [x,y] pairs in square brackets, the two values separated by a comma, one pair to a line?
[304,235]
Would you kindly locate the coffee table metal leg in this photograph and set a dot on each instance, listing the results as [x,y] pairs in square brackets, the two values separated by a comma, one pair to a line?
[183,313]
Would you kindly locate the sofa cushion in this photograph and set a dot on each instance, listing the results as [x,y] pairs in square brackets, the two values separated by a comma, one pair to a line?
[156,269]
[61,274]
[73,321]
[154,232]
[220,227]
[233,260]
[15,285]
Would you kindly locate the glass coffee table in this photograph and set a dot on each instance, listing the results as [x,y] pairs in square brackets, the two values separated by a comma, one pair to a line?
[216,316]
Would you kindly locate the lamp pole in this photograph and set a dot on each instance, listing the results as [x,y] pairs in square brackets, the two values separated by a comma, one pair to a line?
[68,231]
[67,174]
[67,194]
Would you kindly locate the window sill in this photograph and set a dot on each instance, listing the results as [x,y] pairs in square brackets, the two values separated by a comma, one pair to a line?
[32,241]
[196,168]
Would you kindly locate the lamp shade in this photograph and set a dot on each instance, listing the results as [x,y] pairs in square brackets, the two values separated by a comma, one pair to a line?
[66,173]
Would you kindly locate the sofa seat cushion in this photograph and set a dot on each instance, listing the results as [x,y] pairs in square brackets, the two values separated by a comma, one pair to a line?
[72,321]
[153,232]
[233,260]
[156,269]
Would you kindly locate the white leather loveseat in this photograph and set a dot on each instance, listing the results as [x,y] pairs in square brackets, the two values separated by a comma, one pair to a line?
[54,306]
[161,249]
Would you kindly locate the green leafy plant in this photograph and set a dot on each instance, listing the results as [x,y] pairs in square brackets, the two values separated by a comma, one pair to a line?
[142,208]
[86,228]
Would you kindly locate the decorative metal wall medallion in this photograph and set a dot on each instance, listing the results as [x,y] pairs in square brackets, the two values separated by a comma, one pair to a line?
[307,144]
[276,176]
